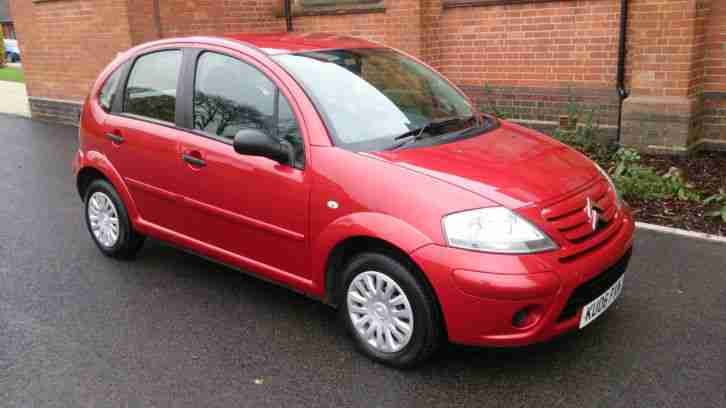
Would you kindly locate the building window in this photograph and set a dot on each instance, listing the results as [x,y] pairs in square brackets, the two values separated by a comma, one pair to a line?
[313,7]
[467,3]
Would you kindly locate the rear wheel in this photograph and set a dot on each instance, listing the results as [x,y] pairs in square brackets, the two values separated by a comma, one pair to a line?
[388,311]
[108,222]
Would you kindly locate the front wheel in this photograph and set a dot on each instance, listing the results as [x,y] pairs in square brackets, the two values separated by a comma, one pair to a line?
[389,312]
[108,222]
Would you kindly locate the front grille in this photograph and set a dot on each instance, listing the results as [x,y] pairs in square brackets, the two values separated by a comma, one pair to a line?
[570,216]
[590,290]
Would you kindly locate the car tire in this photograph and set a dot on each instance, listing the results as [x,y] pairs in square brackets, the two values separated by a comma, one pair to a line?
[400,299]
[108,222]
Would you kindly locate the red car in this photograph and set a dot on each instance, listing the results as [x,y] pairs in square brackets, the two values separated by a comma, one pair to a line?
[353,173]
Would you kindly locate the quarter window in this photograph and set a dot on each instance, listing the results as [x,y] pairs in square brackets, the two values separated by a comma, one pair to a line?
[151,88]
[108,92]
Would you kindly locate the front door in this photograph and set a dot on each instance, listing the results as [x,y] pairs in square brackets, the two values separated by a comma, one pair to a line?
[254,207]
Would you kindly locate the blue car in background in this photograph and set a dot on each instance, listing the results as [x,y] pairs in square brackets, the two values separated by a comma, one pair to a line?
[12,52]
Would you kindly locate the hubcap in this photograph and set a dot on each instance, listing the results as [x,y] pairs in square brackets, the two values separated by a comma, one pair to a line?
[103,219]
[380,311]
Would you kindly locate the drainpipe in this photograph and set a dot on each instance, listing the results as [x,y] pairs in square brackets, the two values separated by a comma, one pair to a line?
[288,15]
[156,16]
[622,93]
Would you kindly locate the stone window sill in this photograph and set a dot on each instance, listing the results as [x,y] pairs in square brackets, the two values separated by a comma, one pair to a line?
[470,3]
[333,7]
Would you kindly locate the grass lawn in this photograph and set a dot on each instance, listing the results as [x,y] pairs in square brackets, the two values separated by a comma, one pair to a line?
[12,74]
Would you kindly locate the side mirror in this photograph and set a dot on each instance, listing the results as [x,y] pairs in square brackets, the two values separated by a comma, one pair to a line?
[254,142]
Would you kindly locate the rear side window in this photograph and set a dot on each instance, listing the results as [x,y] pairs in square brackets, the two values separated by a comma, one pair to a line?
[108,92]
[151,88]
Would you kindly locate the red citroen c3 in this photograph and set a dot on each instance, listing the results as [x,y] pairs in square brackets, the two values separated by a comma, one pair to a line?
[356,174]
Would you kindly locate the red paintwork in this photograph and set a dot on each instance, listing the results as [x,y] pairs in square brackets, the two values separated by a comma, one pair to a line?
[281,43]
[274,221]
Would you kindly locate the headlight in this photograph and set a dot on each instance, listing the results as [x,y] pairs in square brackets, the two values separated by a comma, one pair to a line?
[495,229]
[618,197]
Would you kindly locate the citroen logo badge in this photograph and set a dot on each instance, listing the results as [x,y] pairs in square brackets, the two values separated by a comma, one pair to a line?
[592,211]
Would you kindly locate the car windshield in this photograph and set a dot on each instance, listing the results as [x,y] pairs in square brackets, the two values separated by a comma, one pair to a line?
[373,98]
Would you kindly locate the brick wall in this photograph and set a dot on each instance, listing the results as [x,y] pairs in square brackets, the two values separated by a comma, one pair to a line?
[535,57]
[210,17]
[714,119]
[143,21]
[667,59]
[64,50]
[67,43]
[398,26]
[666,47]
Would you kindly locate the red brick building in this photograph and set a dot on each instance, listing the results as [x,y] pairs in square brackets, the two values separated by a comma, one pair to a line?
[534,55]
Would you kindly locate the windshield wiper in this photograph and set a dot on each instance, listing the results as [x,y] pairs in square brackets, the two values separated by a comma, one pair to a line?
[417,133]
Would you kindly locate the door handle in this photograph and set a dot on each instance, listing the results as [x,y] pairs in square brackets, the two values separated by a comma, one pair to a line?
[194,161]
[116,138]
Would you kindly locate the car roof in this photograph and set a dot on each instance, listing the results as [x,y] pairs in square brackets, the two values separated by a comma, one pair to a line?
[285,43]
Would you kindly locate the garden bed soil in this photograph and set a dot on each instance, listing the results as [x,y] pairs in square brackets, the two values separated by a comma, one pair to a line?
[706,171]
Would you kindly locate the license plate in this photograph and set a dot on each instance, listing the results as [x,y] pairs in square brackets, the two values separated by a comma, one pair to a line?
[592,310]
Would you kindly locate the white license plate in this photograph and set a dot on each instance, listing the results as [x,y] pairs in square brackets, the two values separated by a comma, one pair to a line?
[592,310]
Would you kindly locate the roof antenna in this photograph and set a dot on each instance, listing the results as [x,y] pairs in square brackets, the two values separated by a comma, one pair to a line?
[288,15]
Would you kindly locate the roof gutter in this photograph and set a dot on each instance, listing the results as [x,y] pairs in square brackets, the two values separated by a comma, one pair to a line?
[622,53]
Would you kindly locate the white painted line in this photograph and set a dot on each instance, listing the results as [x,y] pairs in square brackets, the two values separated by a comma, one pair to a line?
[681,232]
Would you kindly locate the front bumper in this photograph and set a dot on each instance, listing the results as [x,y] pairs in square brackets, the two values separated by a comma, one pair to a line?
[480,293]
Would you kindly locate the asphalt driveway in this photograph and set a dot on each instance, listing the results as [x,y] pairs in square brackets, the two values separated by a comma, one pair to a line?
[170,329]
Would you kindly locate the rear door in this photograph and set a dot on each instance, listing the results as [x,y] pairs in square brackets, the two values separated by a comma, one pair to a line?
[143,137]
[252,206]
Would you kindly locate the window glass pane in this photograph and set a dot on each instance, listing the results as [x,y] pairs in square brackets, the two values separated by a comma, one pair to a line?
[288,129]
[108,92]
[230,95]
[388,92]
[151,88]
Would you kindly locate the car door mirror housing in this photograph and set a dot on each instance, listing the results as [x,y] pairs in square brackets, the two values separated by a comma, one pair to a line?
[255,142]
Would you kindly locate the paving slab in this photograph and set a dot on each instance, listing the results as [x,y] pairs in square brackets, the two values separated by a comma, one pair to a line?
[14,99]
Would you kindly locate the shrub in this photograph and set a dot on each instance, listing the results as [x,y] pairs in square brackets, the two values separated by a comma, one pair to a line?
[719,199]
[492,106]
[581,133]
[636,181]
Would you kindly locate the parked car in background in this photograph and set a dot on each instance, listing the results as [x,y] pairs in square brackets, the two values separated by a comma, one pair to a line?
[12,51]
[356,174]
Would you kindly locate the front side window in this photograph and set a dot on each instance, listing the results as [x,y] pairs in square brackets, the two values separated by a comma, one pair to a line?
[371,97]
[151,88]
[108,92]
[230,95]
[288,129]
